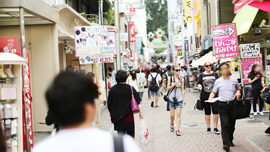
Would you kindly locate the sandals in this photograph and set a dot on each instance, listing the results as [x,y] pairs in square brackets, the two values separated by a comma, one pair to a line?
[172,128]
[156,106]
[178,133]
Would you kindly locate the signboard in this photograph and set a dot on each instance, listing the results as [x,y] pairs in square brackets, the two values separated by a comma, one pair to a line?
[138,41]
[132,34]
[94,40]
[10,44]
[132,11]
[250,50]
[123,37]
[247,66]
[179,53]
[186,48]
[188,18]
[90,59]
[225,41]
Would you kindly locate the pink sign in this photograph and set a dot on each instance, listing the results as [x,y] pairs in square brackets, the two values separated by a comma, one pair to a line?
[225,41]
[247,65]
[132,10]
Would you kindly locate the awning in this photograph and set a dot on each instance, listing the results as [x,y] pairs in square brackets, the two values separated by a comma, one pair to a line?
[207,42]
[10,58]
[209,58]
[264,6]
[244,19]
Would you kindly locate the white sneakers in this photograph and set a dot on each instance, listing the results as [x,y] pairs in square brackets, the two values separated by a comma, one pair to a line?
[256,113]
[261,113]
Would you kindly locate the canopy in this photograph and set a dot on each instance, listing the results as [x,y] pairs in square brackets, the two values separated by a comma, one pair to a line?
[10,58]
[244,19]
[264,6]
[209,58]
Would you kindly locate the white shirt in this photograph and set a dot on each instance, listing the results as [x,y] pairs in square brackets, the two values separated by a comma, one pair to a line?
[83,140]
[133,83]
[154,75]
[183,73]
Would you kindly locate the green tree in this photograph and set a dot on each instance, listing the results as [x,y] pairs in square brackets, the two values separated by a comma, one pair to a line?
[157,15]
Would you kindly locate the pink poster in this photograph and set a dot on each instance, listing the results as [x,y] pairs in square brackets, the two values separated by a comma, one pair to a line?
[225,41]
[247,65]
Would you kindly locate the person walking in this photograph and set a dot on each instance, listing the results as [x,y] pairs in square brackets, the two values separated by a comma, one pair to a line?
[141,81]
[255,78]
[119,105]
[148,72]
[132,80]
[176,98]
[228,89]
[205,84]
[168,74]
[71,98]
[154,80]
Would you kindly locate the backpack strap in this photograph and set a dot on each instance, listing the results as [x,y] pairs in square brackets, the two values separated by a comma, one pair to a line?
[118,143]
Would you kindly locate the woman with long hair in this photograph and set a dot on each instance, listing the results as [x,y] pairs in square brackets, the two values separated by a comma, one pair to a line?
[176,98]
[91,76]
[132,80]
[205,84]
[255,78]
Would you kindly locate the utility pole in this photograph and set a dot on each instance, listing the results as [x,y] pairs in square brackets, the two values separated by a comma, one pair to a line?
[193,46]
[116,22]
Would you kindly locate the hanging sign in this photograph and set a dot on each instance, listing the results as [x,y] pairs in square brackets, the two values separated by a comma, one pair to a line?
[132,34]
[188,18]
[225,41]
[250,50]
[94,40]
[186,47]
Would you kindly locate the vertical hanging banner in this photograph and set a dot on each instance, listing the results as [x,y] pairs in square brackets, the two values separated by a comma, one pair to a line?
[225,41]
[188,18]
[132,34]
[186,47]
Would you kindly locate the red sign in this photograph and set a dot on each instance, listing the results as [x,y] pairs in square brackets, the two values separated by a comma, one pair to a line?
[132,10]
[239,4]
[10,44]
[178,47]
[132,34]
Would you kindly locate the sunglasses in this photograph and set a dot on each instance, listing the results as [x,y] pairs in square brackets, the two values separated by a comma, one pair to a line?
[177,70]
[207,66]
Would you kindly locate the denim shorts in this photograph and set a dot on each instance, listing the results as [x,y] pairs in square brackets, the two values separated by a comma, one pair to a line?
[155,94]
[174,105]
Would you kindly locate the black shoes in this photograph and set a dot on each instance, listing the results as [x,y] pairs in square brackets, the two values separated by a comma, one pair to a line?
[216,131]
[267,131]
[208,131]
[152,104]
[226,148]
[231,144]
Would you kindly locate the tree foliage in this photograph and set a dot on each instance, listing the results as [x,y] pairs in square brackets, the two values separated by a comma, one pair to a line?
[157,15]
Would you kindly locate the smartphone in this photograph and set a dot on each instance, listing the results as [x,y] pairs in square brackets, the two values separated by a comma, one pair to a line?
[257,76]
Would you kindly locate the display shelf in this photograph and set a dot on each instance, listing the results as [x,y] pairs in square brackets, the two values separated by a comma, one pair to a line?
[7,80]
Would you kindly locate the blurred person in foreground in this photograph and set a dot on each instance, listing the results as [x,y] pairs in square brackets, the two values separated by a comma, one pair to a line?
[3,146]
[119,105]
[71,99]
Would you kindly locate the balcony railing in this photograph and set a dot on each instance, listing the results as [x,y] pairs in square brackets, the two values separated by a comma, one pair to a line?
[93,18]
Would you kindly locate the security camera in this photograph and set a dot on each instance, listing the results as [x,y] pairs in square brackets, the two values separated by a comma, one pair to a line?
[66,41]
[263,23]
[67,50]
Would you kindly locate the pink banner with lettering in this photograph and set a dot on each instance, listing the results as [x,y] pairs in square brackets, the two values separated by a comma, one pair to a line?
[225,41]
[247,65]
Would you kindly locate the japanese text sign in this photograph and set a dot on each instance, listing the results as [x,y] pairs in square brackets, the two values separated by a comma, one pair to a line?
[225,41]
[90,59]
[94,40]
[132,10]
[186,47]
[132,34]
[247,66]
[250,50]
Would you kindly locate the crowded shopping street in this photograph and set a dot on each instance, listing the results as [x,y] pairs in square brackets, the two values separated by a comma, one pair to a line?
[134,75]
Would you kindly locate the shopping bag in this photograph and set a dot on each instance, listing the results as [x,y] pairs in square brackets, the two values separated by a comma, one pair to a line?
[145,135]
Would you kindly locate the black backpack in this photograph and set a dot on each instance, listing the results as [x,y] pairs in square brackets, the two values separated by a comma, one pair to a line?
[153,84]
[266,95]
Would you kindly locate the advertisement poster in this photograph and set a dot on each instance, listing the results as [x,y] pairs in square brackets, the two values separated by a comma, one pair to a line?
[232,66]
[90,59]
[132,34]
[247,65]
[188,18]
[268,73]
[250,50]
[225,41]
[94,40]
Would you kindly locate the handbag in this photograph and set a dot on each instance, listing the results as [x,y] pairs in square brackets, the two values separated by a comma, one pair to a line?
[241,108]
[134,104]
[198,105]
[165,97]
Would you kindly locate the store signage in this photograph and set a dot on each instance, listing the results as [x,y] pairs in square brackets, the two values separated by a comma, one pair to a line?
[138,41]
[188,18]
[132,34]
[123,37]
[186,48]
[179,53]
[94,40]
[132,11]
[90,59]
[247,66]
[250,50]
[10,44]
[225,41]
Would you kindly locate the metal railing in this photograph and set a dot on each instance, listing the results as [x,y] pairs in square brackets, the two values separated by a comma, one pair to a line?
[93,18]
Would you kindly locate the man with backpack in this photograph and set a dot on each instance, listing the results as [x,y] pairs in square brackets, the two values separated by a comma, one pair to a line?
[154,80]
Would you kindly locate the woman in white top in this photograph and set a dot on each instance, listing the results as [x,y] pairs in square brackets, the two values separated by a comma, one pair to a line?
[133,81]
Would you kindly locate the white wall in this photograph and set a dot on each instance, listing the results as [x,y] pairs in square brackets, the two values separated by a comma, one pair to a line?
[140,22]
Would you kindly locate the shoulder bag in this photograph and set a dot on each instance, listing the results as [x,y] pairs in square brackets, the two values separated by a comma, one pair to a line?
[241,108]
[134,104]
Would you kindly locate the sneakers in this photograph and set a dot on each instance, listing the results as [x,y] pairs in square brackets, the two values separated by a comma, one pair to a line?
[267,131]
[255,113]
[261,113]
[216,131]
[152,104]
[208,130]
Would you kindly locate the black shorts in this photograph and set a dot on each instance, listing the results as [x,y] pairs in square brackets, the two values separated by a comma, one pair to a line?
[208,107]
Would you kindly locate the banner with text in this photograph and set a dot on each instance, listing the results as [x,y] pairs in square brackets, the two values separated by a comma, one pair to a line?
[250,50]
[188,18]
[225,41]
[132,34]
[90,59]
[247,66]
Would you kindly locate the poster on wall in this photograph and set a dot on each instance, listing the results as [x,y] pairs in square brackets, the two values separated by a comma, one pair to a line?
[268,74]
[247,66]
[90,59]
[250,50]
[94,40]
[225,41]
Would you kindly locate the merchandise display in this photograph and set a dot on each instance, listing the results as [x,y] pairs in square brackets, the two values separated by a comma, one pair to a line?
[8,71]
[2,74]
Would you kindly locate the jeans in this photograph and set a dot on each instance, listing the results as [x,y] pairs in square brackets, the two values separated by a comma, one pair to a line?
[227,122]
[141,95]
[256,95]
[131,133]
